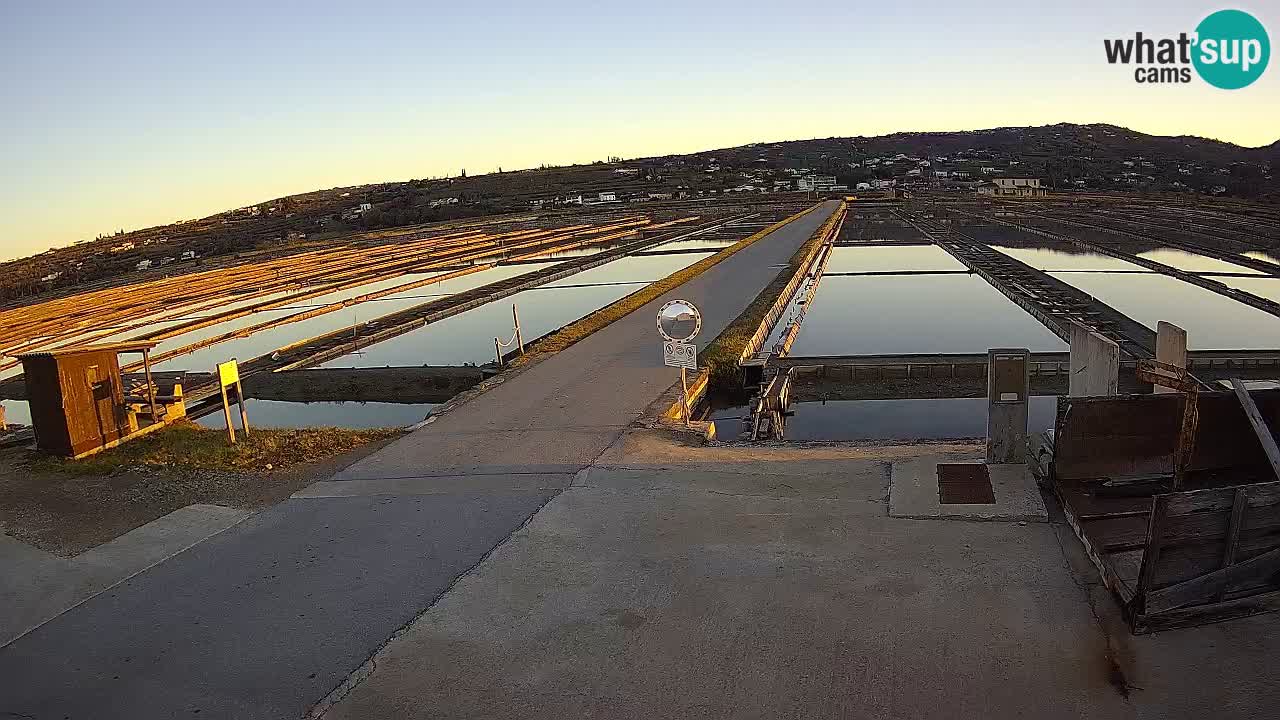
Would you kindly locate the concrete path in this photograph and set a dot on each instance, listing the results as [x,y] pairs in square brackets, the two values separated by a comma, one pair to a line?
[561,414]
[265,619]
[37,586]
[721,586]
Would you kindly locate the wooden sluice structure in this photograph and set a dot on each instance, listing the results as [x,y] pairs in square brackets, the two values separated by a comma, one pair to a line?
[81,403]
[1176,499]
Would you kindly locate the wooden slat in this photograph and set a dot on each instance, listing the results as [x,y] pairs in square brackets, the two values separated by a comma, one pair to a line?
[1114,534]
[1086,505]
[1150,560]
[1201,588]
[1259,424]
[1216,526]
[1138,435]
[1233,530]
[1124,589]
[1179,563]
[1126,564]
[1187,617]
[1220,499]
[1236,524]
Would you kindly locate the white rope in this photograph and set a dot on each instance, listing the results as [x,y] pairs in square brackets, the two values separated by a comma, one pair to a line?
[510,342]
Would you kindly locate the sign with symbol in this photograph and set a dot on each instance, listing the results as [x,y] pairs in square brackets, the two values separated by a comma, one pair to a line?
[680,354]
[679,322]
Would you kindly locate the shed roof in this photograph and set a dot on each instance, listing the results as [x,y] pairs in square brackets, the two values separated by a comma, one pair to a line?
[135,346]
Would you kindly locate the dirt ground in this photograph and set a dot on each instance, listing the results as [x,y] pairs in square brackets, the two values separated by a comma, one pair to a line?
[67,512]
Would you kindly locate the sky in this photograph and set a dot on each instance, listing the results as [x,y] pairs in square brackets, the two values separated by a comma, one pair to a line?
[130,114]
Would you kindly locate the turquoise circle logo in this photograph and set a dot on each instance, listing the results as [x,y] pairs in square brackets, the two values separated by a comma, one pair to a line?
[1232,49]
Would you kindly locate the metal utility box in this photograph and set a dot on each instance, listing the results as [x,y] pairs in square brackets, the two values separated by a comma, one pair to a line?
[1008,385]
[77,397]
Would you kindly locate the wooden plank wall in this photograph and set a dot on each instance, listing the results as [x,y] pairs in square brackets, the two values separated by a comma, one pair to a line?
[1134,435]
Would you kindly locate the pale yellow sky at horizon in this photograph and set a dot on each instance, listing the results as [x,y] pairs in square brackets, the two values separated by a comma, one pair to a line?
[119,121]
[243,183]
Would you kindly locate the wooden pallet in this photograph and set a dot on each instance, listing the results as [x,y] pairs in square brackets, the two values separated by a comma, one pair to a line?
[1207,552]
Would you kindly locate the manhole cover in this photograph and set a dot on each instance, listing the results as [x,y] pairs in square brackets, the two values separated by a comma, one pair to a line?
[965,484]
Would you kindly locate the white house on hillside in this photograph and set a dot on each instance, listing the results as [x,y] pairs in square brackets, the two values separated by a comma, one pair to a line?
[1014,187]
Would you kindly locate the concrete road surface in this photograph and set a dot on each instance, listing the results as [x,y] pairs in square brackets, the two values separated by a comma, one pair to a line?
[561,414]
[265,619]
[718,587]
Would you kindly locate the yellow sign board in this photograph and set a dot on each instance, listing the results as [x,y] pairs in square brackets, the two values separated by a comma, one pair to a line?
[228,373]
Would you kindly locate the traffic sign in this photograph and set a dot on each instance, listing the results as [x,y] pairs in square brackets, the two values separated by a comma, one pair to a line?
[680,354]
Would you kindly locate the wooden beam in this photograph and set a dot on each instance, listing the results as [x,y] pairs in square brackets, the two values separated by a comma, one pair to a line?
[1150,558]
[1239,504]
[1260,427]
[1205,614]
[1203,588]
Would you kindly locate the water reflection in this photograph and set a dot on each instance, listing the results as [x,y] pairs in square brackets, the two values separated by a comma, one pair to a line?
[1271,256]
[634,268]
[265,341]
[1061,259]
[1212,321]
[931,419]
[1191,262]
[468,337]
[912,419]
[712,244]
[1264,286]
[916,314]
[891,258]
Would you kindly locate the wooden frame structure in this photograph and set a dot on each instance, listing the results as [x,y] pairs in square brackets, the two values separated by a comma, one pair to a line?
[1176,500]
[81,402]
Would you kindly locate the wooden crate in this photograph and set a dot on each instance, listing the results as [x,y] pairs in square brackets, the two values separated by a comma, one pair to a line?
[1209,551]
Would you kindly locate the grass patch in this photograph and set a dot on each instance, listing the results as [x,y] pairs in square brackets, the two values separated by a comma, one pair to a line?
[721,355]
[187,445]
[575,331]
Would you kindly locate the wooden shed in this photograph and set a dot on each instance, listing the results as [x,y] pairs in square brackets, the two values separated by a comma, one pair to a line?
[79,400]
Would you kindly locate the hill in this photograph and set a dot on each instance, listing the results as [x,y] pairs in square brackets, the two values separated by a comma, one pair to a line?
[1068,157]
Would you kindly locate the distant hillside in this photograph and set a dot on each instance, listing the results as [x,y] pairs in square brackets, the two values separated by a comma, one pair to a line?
[1057,140]
[1062,153]
[1068,157]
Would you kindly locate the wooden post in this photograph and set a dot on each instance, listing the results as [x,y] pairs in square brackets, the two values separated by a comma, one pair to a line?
[1239,503]
[1165,375]
[1155,530]
[228,374]
[1186,436]
[684,396]
[151,388]
[1259,424]
[497,350]
[515,317]
[226,413]
[1171,348]
[244,416]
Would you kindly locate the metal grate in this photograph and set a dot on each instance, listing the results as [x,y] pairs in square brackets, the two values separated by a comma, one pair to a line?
[965,484]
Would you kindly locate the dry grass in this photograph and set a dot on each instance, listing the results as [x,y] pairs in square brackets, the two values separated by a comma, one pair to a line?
[187,445]
[573,332]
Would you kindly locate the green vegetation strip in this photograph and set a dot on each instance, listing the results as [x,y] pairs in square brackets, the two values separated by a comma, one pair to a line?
[187,445]
[573,332]
[720,358]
